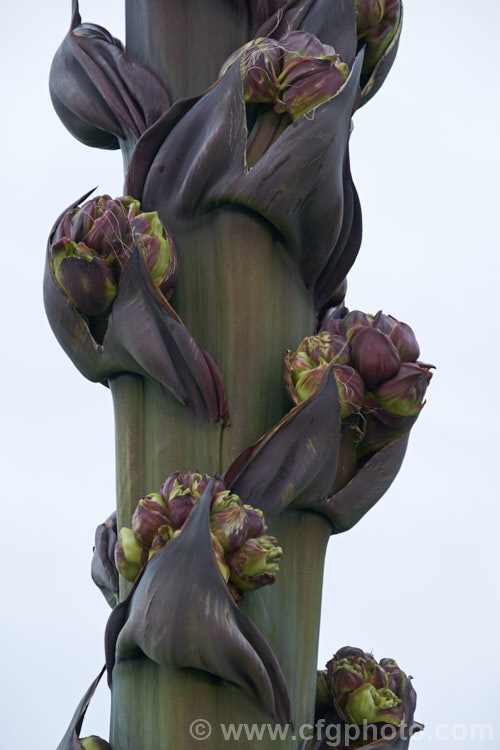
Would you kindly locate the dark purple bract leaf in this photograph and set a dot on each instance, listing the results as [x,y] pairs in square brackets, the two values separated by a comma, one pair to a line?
[103,568]
[347,246]
[101,94]
[71,741]
[347,506]
[294,463]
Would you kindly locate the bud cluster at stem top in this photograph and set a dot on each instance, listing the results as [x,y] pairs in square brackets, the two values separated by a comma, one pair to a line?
[364,690]
[247,557]
[93,242]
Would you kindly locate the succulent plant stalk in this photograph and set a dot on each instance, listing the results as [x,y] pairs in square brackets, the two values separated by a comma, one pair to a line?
[250,172]
[244,254]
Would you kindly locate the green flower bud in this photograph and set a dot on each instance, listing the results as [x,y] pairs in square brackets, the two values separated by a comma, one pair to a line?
[303,44]
[350,385]
[260,68]
[107,232]
[255,563]
[219,556]
[404,393]
[156,245]
[132,206]
[181,492]
[129,555]
[308,382]
[256,522]
[369,13]
[325,347]
[164,534]
[397,679]
[347,677]
[400,334]
[94,743]
[361,691]
[378,38]
[299,363]
[305,369]
[308,83]
[405,342]
[228,520]
[355,320]
[333,322]
[367,704]
[89,281]
[150,514]
[374,356]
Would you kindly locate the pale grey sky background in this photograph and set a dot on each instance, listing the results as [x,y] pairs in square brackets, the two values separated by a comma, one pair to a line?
[418,578]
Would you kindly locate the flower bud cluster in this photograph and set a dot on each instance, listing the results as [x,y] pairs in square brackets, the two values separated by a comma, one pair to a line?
[92,244]
[380,380]
[247,557]
[364,690]
[294,74]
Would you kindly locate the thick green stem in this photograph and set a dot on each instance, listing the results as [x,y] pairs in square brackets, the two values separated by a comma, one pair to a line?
[130,438]
[184,42]
[243,299]
[167,707]
[155,435]
[288,613]
[242,282]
